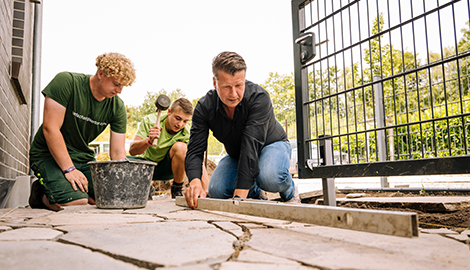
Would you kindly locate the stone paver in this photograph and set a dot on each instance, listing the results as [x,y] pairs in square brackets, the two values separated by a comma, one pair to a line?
[30,234]
[423,199]
[323,250]
[269,266]
[425,203]
[163,235]
[22,255]
[61,219]
[5,228]
[438,231]
[166,243]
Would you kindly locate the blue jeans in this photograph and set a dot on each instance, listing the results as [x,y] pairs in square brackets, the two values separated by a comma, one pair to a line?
[274,176]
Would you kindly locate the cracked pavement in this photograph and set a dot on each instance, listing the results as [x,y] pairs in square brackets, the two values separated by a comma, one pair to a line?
[163,235]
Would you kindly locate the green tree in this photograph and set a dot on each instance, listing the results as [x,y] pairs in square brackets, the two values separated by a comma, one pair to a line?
[464,47]
[281,89]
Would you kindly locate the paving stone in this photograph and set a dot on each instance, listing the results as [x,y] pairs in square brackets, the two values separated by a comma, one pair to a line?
[60,219]
[90,227]
[188,214]
[438,231]
[163,243]
[19,215]
[290,225]
[252,256]
[423,199]
[467,232]
[185,239]
[252,225]
[234,265]
[420,247]
[231,227]
[52,255]
[252,219]
[362,250]
[158,206]
[89,209]
[459,237]
[193,267]
[355,195]
[4,228]
[425,203]
[30,234]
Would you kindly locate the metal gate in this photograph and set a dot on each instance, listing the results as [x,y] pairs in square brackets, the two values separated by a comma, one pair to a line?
[381,87]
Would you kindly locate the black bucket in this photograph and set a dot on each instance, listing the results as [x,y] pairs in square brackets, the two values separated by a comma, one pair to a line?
[121,183]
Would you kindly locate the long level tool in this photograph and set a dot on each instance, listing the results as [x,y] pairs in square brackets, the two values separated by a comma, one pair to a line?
[395,223]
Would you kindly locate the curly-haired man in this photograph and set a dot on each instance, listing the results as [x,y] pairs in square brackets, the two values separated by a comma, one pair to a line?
[77,108]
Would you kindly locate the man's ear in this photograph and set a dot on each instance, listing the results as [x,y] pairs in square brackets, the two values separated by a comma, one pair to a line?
[99,74]
[214,82]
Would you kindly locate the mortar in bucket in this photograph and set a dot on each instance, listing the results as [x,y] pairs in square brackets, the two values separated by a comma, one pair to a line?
[121,183]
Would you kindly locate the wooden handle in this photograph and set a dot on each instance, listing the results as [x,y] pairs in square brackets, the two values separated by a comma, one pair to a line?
[155,141]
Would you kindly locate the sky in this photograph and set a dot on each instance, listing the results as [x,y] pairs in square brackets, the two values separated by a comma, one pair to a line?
[171,43]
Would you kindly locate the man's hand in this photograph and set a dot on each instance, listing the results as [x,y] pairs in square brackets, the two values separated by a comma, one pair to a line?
[154,133]
[243,193]
[77,178]
[193,192]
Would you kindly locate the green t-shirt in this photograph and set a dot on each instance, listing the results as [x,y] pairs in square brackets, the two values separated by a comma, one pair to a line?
[85,117]
[157,153]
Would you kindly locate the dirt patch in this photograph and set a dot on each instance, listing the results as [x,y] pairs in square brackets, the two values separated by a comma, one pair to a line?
[458,220]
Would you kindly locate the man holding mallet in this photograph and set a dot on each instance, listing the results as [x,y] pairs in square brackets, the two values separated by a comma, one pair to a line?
[165,141]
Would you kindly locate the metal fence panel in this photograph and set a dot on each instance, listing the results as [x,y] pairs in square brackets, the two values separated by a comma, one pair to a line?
[387,82]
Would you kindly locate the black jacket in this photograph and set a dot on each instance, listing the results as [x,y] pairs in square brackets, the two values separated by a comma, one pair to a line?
[253,127]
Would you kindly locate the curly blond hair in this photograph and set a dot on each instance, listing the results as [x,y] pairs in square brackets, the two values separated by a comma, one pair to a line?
[118,66]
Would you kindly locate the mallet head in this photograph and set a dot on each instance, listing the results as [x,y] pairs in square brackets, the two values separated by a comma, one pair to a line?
[162,103]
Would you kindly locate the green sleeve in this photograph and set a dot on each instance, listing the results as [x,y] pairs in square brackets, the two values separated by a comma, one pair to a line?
[144,127]
[60,88]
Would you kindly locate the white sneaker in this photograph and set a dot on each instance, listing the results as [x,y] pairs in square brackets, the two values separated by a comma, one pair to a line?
[296,198]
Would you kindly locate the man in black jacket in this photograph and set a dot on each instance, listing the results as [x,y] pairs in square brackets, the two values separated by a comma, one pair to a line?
[240,115]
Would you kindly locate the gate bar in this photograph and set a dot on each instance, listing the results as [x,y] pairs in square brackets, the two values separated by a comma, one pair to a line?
[404,224]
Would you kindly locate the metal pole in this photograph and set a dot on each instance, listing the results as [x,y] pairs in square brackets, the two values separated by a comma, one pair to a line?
[328,184]
[36,83]
[36,87]
[380,120]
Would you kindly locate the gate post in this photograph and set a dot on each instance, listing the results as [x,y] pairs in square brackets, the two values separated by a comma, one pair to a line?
[328,184]
[301,91]
[380,120]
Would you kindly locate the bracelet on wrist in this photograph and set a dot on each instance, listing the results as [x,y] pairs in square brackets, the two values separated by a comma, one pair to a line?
[68,170]
[148,141]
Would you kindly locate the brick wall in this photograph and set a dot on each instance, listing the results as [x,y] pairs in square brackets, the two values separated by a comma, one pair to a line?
[16,43]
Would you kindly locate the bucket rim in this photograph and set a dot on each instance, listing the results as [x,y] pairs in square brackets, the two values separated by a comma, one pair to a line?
[126,160]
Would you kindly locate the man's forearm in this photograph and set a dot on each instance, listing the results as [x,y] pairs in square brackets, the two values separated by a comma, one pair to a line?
[117,150]
[139,146]
[117,155]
